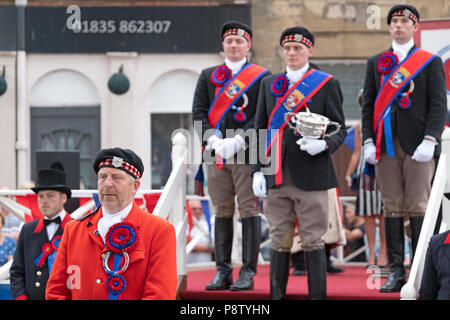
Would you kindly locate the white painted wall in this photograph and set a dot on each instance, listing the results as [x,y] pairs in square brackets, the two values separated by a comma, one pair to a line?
[8,158]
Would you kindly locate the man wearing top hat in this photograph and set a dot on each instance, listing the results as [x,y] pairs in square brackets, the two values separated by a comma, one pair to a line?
[301,170]
[225,104]
[119,251]
[404,109]
[39,239]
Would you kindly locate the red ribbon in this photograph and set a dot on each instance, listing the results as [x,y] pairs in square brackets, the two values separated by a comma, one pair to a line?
[47,249]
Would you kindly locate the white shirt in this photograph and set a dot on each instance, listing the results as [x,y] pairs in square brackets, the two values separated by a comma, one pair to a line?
[53,227]
[295,75]
[401,50]
[110,219]
[235,66]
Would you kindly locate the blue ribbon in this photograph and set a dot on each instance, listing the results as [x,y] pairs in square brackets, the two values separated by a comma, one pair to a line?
[51,260]
[388,132]
[116,267]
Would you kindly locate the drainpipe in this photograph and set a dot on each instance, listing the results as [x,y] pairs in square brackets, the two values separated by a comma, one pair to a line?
[23,116]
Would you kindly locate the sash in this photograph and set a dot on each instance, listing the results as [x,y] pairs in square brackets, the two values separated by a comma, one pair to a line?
[392,86]
[231,91]
[292,101]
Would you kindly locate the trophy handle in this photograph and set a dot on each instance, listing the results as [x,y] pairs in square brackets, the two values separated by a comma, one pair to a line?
[338,127]
[286,116]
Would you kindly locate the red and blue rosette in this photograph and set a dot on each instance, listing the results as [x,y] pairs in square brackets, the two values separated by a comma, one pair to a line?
[240,116]
[387,62]
[279,85]
[404,102]
[55,242]
[116,284]
[221,75]
[121,237]
[47,250]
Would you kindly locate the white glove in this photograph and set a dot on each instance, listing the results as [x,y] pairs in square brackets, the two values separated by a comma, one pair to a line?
[312,146]
[213,142]
[425,151]
[370,152]
[259,185]
[229,147]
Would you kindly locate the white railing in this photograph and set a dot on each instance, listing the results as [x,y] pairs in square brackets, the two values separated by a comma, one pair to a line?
[440,186]
[172,204]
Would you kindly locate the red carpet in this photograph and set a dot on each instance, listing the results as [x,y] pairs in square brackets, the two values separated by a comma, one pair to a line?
[351,285]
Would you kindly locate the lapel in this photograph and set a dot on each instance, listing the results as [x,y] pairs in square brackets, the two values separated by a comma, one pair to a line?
[446,245]
[134,218]
[40,236]
[60,229]
[91,228]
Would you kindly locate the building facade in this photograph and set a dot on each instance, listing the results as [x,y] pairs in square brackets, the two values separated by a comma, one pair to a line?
[85,75]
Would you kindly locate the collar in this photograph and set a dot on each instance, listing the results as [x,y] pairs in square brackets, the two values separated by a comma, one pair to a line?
[64,219]
[403,48]
[61,214]
[92,220]
[119,214]
[235,66]
[108,219]
[296,75]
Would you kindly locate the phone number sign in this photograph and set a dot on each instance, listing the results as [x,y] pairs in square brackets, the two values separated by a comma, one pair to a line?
[141,29]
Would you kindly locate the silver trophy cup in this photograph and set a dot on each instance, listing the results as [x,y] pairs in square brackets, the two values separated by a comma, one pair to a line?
[310,125]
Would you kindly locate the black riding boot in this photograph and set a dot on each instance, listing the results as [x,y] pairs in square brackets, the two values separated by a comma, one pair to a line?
[395,240]
[316,269]
[223,242]
[416,225]
[279,274]
[298,261]
[251,238]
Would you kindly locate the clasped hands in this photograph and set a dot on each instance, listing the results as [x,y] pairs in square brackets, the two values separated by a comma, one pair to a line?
[226,148]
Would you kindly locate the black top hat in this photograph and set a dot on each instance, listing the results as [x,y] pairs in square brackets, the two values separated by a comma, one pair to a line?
[52,179]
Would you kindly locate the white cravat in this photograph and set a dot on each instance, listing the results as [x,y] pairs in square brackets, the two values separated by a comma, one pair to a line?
[110,219]
[235,66]
[53,227]
[295,75]
[401,50]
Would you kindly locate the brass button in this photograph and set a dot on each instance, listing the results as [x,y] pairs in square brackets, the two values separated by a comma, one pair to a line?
[98,281]
[38,273]
[37,284]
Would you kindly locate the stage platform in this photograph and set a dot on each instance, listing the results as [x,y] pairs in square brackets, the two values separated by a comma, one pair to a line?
[355,283]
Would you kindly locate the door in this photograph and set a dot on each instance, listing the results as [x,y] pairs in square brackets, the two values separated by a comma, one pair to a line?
[69,129]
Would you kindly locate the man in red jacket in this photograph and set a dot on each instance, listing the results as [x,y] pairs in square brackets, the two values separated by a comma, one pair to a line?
[118,252]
